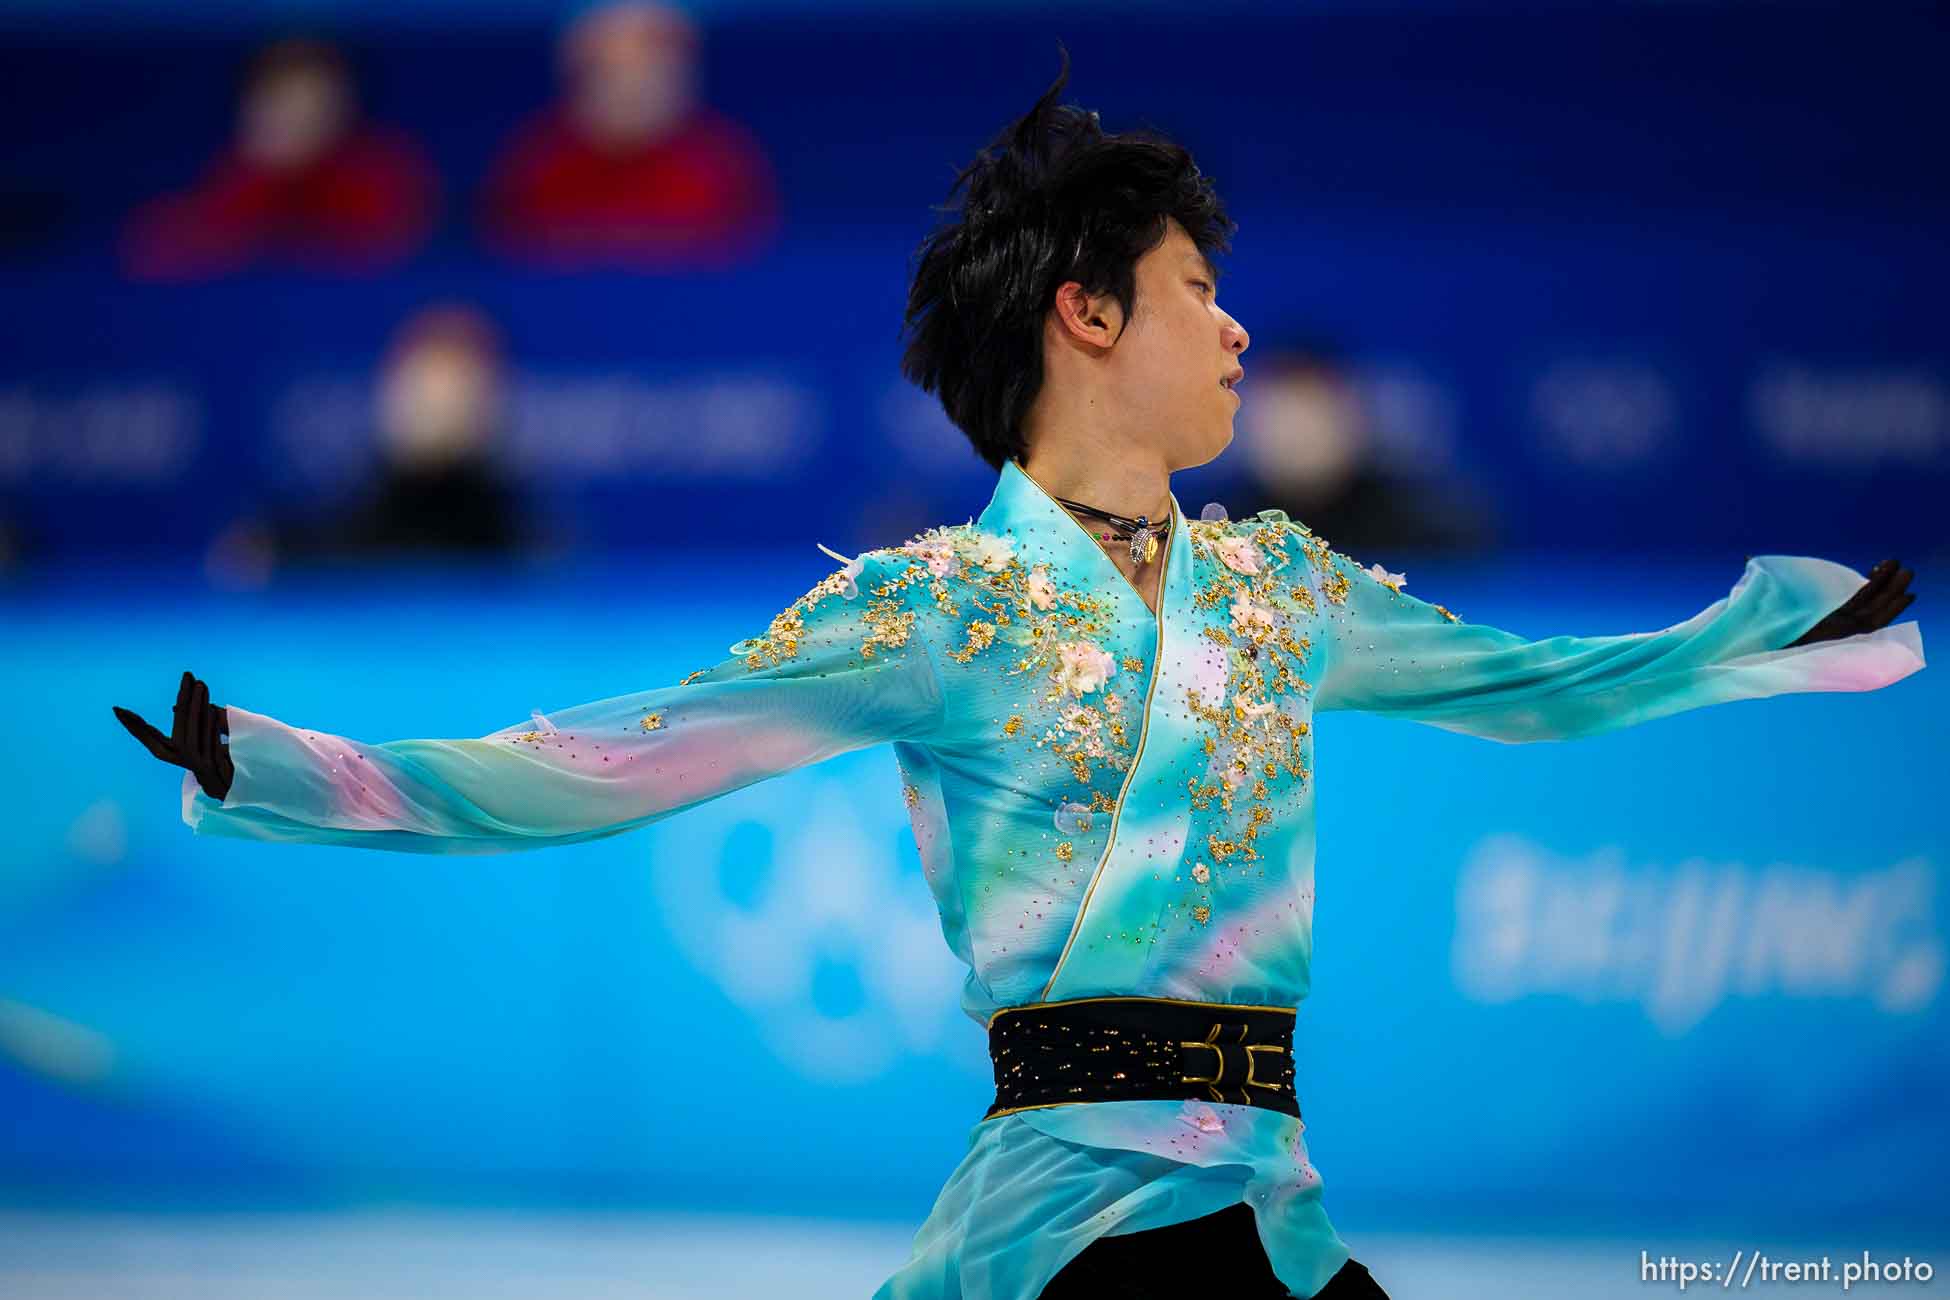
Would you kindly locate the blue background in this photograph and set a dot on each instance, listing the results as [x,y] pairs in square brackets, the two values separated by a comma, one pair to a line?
[1693,203]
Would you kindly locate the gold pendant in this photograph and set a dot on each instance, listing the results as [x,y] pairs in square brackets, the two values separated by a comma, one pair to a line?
[1150,549]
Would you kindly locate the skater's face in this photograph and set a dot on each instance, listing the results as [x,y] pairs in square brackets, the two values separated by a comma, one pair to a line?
[1176,361]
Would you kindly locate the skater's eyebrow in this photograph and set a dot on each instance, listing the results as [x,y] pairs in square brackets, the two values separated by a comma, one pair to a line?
[1204,263]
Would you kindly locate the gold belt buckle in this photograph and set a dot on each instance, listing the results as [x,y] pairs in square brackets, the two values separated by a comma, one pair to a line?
[1212,1044]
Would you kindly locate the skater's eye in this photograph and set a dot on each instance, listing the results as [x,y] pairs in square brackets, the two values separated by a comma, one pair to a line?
[1203,286]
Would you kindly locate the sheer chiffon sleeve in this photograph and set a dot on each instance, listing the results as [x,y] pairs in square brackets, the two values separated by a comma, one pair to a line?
[1388,652]
[841,668]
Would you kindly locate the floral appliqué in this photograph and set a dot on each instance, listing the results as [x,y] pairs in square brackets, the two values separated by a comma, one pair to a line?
[1051,634]
[1251,657]
[1393,581]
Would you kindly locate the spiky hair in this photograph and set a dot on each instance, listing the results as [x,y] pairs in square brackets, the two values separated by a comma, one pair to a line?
[1054,197]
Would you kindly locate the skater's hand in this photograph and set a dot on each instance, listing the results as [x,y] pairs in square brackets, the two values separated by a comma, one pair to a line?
[1878,602]
[195,742]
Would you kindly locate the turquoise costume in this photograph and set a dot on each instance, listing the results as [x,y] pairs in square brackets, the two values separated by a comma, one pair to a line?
[1105,802]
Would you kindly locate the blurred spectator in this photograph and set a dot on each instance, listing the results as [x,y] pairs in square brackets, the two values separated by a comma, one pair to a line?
[303,180]
[438,404]
[629,169]
[1308,439]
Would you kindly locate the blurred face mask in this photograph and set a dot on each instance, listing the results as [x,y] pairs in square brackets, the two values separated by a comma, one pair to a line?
[625,91]
[292,119]
[437,405]
[1303,431]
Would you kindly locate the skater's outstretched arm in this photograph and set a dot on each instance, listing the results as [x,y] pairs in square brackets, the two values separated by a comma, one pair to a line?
[1791,623]
[832,673]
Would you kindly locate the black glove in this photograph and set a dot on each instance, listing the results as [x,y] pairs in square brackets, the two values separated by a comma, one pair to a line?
[1876,605]
[195,742]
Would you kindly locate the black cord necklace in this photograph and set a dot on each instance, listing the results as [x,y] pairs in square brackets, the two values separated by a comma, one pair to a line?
[1142,532]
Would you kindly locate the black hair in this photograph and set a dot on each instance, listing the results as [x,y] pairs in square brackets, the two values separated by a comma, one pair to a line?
[1053,197]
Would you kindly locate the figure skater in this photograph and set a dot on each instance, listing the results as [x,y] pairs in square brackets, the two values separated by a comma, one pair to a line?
[1102,712]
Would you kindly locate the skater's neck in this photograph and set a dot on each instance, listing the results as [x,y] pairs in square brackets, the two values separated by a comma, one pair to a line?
[1098,474]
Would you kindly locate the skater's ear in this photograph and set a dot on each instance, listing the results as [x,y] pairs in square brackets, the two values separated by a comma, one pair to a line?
[1091,319]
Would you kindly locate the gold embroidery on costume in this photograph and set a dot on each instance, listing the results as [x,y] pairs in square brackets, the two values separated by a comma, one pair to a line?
[1256,606]
[887,623]
[1054,635]
[981,635]
[781,639]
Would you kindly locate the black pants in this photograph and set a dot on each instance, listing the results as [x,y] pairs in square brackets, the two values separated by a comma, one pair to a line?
[1217,1256]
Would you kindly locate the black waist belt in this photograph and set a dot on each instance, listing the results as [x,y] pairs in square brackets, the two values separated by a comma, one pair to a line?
[1136,1048]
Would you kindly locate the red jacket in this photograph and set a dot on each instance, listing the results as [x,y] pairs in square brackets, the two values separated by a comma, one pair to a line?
[702,196]
[367,204]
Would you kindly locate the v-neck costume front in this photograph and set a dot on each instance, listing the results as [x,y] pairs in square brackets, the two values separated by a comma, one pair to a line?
[1107,802]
